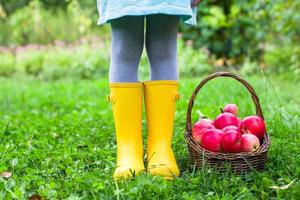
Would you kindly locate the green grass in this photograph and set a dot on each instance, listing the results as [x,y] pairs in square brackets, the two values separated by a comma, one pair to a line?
[61,143]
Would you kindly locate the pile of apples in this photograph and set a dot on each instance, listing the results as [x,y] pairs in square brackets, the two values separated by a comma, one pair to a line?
[228,133]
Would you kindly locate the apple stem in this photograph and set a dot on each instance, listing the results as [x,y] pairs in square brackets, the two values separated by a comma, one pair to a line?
[221,109]
[201,116]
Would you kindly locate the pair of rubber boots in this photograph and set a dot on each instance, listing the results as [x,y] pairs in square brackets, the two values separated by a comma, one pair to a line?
[160,100]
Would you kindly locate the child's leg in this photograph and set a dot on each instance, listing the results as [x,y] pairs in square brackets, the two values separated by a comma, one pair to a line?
[126,48]
[161,46]
[161,93]
[126,94]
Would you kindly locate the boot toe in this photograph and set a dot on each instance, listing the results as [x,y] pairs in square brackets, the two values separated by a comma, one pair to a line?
[167,171]
[127,172]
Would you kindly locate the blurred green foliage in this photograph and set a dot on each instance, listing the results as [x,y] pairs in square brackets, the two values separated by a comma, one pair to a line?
[10,6]
[57,63]
[253,35]
[36,24]
[262,31]
[70,61]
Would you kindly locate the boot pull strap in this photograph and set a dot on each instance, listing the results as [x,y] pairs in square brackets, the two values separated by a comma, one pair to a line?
[176,97]
[110,99]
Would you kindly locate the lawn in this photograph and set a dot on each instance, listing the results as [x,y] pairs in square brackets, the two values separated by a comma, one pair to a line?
[60,142]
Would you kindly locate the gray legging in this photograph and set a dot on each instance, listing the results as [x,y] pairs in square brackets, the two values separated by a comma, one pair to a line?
[128,42]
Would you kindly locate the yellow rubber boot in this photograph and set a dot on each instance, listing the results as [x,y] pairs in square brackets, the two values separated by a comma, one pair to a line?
[126,99]
[160,100]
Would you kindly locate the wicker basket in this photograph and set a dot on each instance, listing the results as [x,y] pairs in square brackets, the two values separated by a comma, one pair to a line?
[237,162]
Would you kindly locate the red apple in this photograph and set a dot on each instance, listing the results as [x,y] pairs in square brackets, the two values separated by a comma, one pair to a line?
[230,128]
[254,125]
[204,123]
[231,108]
[199,128]
[226,119]
[249,142]
[240,121]
[197,137]
[231,142]
[211,140]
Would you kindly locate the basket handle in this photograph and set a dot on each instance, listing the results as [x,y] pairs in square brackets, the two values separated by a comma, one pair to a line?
[215,75]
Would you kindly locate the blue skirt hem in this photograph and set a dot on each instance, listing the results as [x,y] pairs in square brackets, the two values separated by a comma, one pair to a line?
[187,17]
